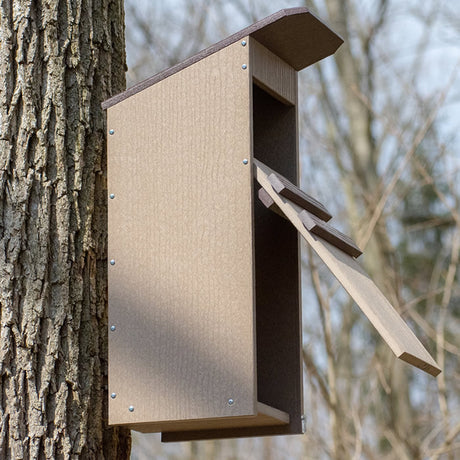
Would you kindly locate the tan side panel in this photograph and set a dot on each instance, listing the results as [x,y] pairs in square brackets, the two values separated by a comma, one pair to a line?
[361,288]
[181,290]
[272,73]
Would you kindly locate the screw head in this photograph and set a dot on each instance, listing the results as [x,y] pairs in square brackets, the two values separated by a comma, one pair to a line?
[230,402]
[112,132]
[131,408]
[243,43]
[112,262]
[113,395]
[112,328]
[112,196]
[245,161]
[244,66]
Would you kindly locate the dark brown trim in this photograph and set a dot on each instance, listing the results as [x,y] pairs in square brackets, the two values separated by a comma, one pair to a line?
[285,188]
[294,34]
[269,203]
[330,234]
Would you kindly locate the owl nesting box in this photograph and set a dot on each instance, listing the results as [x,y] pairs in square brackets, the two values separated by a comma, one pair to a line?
[204,290]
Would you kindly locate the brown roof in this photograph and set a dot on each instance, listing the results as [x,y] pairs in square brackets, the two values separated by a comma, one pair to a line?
[295,35]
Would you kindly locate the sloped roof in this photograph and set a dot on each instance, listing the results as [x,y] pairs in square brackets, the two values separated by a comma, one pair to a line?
[295,34]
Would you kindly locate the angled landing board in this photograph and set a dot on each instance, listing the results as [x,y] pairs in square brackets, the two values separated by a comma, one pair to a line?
[357,283]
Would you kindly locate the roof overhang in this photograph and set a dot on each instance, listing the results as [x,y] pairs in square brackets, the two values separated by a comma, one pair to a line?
[295,34]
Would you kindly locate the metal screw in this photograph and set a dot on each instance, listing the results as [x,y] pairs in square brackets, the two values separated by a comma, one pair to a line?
[243,42]
[112,196]
[113,395]
[112,262]
[111,132]
[245,161]
[230,402]
[131,408]
[244,66]
[112,328]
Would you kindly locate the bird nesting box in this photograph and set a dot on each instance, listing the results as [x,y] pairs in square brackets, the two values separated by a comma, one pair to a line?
[204,287]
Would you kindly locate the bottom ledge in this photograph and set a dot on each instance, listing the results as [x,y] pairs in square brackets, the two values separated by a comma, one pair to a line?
[266,416]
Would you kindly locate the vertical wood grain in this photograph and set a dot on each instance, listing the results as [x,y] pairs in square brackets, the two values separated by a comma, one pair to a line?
[272,74]
[181,290]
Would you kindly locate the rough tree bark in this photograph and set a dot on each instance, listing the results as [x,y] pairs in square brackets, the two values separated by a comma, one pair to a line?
[58,61]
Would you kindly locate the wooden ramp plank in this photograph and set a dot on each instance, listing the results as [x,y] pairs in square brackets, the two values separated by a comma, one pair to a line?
[289,190]
[317,226]
[357,283]
[267,201]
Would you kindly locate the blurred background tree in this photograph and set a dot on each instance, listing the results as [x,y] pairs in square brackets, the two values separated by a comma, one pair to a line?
[379,144]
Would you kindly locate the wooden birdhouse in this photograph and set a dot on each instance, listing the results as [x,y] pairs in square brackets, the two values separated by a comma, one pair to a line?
[204,279]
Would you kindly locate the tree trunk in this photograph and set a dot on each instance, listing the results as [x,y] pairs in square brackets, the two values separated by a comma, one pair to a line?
[58,61]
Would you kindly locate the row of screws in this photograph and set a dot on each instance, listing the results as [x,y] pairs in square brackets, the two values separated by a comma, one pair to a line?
[244,66]
[131,408]
[112,196]
[113,328]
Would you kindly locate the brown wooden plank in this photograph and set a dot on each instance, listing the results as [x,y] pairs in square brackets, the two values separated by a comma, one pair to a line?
[299,38]
[181,291]
[295,34]
[317,226]
[358,284]
[289,190]
[269,203]
[272,74]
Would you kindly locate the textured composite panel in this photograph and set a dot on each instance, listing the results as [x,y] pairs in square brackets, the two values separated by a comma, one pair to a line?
[272,74]
[181,290]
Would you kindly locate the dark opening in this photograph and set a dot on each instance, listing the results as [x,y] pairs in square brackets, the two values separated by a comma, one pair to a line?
[279,369]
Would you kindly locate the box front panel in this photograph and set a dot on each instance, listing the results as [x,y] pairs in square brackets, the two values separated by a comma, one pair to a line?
[277,258]
[181,284]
